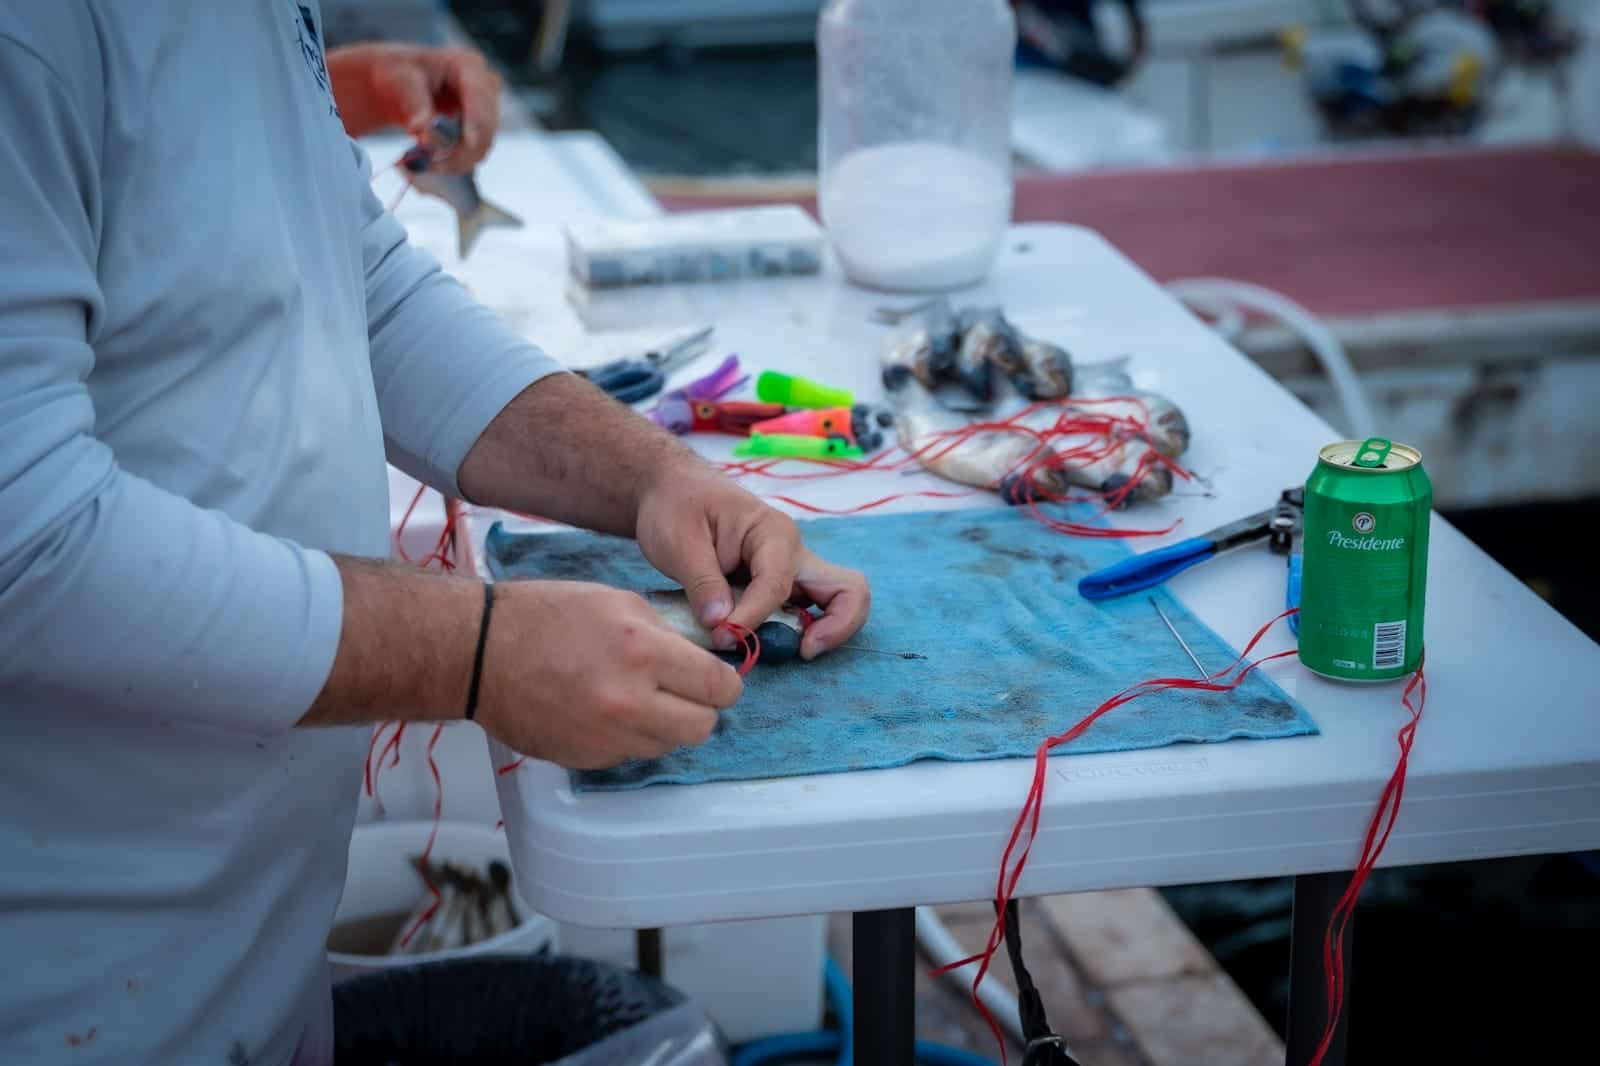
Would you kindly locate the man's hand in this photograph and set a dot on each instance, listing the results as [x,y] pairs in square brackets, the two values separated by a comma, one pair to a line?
[697,527]
[566,451]
[587,676]
[582,675]
[379,85]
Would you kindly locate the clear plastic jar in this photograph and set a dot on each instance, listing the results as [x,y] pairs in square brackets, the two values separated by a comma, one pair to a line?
[914,138]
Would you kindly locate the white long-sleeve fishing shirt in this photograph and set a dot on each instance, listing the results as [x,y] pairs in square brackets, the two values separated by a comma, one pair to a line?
[211,337]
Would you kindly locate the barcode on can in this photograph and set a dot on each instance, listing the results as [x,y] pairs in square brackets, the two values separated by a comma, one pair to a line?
[1388,645]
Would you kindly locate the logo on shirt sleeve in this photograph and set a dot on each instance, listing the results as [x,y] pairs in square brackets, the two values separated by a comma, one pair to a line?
[311,52]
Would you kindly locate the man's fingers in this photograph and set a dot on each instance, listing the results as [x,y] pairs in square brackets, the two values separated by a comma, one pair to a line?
[773,561]
[410,102]
[673,721]
[844,597]
[469,80]
[698,676]
[846,613]
[701,575]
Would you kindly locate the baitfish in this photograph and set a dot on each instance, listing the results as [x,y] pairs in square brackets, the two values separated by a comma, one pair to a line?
[1167,426]
[1019,465]
[474,214]
[992,460]
[779,634]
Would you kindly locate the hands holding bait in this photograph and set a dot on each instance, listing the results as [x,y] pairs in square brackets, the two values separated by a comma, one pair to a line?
[587,676]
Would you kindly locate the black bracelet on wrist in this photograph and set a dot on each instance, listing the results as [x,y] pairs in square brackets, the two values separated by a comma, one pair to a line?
[477,657]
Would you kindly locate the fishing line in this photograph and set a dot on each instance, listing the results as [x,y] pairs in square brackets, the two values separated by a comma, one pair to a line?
[401,195]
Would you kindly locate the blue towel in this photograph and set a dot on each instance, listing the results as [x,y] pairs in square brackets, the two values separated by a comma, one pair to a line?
[1014,654]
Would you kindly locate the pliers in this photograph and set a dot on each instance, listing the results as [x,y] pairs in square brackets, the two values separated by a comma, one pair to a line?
[640,377]
[1282,526]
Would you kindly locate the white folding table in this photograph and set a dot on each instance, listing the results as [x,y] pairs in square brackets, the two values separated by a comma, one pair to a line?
[1507,756]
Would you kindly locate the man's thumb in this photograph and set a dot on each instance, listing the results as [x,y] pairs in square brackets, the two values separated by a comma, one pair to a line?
[708,590]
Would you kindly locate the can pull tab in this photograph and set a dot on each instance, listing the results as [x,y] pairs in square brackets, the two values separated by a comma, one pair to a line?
[1373,453]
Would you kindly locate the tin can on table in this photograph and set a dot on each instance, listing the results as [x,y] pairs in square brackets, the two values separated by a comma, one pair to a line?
[1367,506]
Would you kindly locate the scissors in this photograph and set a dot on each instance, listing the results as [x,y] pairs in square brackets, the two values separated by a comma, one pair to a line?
[638,377]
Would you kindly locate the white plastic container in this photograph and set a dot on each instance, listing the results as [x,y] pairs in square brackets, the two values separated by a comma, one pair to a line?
[380,880]
[914,138]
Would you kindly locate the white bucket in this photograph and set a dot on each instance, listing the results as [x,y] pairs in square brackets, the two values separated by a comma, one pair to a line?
[380,881]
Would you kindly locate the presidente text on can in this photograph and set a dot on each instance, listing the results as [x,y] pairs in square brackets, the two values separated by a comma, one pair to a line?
[1367,505]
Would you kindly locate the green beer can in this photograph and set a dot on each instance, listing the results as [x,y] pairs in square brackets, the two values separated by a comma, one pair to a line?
[1365,570]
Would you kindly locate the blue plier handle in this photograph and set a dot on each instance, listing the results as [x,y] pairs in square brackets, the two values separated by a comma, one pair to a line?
[640,377]
[1282,525]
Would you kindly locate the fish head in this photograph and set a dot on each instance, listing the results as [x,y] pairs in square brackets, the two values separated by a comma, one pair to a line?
[975,361]
[907,353]
[1155,483]
[896,376]
[1169,429]
[1046,371]
[1038,484]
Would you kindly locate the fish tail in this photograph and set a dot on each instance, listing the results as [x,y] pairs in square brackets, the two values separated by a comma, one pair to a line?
[487,216]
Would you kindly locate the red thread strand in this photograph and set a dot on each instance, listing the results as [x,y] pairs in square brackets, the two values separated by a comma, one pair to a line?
[749,641]
[1076,438]
[1025,828]
[405,519]
[391,751]
[1378,830]
[443,548]
[427,849]
[372,745]
[869,505]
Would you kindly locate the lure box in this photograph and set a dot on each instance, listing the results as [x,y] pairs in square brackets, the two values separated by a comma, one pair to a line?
[718,245]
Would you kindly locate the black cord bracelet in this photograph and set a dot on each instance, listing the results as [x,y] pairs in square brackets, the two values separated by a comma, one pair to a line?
[477,657]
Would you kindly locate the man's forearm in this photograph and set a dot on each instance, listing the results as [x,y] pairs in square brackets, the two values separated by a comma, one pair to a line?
[566,451]
[406,645]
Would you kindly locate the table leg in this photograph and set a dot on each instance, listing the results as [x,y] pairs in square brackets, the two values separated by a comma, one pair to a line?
[884,956]
[1315,896]
[648,944]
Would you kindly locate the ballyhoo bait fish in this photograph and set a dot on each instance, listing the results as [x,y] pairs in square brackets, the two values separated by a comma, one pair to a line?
[474,214]
[779,634]
[1047,425]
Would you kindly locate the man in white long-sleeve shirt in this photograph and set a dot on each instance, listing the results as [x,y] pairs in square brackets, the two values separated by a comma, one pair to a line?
[211,337]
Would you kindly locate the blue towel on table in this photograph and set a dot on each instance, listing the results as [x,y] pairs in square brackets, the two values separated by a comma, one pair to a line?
[1014,654]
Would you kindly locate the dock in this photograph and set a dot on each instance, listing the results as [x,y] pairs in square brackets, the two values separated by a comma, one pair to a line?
[1124,981]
